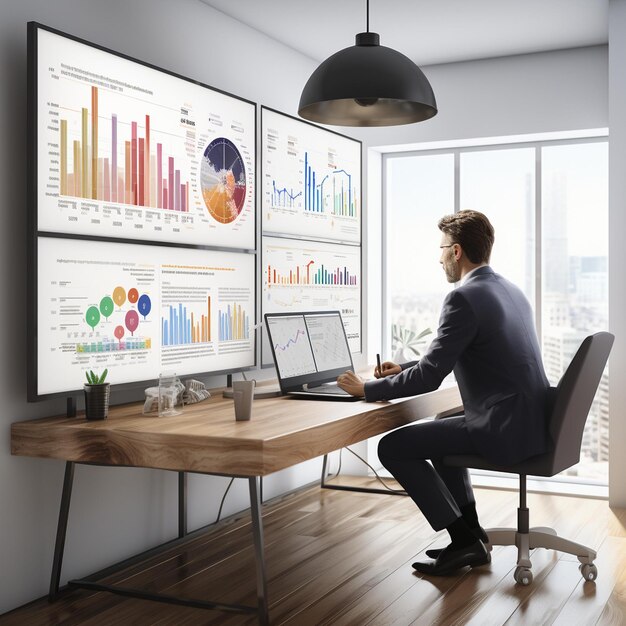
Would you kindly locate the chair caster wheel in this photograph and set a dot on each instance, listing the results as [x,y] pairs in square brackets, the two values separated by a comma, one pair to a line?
[523,576]
[589,571]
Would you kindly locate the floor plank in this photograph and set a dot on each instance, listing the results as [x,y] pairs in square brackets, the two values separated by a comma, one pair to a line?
[344,558]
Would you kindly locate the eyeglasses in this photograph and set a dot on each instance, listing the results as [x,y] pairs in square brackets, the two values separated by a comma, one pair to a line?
[449,245]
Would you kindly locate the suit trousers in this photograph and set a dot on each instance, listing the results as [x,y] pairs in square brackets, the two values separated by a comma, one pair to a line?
[437,490]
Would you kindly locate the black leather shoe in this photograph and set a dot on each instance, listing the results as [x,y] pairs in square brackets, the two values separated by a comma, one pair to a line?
[450,561]
[480,533]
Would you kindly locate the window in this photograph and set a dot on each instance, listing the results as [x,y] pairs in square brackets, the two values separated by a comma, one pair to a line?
[548,203]
[501,184]
[575,299]
[419,190]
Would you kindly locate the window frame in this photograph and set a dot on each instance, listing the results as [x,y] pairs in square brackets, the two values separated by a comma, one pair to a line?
[595,136]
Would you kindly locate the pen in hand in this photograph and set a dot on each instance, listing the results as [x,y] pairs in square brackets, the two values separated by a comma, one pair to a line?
[378,366]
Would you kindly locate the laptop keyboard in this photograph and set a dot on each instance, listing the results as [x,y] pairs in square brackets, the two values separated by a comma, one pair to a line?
[335,391]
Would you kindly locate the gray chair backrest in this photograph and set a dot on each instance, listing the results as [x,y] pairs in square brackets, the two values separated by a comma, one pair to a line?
[573,397]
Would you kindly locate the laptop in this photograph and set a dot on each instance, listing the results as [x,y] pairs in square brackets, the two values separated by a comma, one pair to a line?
[310,350]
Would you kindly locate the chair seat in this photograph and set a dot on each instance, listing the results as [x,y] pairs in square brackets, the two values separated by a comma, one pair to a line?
[540,465]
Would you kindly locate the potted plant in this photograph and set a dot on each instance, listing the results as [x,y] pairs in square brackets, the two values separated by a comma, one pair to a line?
[97,394]
[406,343]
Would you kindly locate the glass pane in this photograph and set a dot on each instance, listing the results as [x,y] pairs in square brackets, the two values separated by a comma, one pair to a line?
[419,191]
[501,184]
[575,212]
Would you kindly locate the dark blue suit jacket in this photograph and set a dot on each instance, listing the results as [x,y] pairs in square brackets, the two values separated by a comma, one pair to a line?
[487,335]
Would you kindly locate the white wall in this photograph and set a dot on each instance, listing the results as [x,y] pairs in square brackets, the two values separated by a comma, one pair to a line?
[530,93]
[129,510]
[617,249]
[115,512]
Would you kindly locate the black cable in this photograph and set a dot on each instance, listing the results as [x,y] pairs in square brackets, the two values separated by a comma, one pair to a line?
[219,513]
[378,478]
[368,15]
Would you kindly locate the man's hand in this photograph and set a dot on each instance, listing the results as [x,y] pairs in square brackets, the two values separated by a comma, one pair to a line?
[351,383]
[389,368]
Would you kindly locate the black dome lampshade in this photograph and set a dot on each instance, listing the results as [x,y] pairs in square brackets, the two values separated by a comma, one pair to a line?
[367,85]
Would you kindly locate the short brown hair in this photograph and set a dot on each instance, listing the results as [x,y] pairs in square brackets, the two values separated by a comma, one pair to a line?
[473,231]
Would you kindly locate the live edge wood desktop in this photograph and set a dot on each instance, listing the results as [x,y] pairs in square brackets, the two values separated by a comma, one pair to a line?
[206,439]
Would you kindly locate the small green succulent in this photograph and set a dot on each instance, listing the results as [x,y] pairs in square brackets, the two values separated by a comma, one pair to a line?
[94,379]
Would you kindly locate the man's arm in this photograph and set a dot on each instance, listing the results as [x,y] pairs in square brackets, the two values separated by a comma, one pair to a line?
[457,328]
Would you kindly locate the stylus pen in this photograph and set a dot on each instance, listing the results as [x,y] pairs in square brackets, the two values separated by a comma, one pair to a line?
[380,369]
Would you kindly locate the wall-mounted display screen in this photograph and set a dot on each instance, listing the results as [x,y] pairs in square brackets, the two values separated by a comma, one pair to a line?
[311,180]
[312,276]
[141,220]
[128,151]
[139,310]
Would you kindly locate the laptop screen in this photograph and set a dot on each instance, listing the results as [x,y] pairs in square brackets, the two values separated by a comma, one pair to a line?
[308,348]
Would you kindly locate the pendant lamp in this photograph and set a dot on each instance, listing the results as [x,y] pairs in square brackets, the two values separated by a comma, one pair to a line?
[367,85]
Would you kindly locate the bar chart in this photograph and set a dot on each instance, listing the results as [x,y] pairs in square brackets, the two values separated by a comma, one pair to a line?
[183,327]
[134,172]
[234,323]
[309,275]
[332,193]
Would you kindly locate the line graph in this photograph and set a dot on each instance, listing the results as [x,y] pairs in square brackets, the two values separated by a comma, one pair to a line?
[289,336]
[291,341]
[284,197]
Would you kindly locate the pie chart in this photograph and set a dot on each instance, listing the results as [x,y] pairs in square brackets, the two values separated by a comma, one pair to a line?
[223,180]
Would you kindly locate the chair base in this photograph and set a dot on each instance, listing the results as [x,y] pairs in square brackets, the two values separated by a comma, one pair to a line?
[540,537]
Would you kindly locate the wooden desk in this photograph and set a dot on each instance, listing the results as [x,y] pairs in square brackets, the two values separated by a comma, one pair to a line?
[207,439]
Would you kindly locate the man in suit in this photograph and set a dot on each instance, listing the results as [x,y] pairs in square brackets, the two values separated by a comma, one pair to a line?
[487,336]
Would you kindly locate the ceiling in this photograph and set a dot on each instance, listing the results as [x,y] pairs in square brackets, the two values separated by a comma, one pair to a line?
[437,31]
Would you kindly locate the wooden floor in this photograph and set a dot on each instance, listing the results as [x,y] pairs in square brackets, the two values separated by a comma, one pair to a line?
[339,557]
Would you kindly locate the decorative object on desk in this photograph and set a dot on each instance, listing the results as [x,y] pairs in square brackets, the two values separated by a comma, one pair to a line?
[243,393]
[151,403]
[190,392]
[195,391]
[170,388]
[97,394]
[406,343]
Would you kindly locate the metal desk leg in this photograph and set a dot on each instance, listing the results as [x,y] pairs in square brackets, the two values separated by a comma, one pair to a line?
[182,504]
[324,474]
[59,545]
[257,532]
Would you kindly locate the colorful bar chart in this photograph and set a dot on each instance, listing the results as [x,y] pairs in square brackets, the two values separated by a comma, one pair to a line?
[319,198]
[141,181]
[306,275]
[182,327]
[113,345]
[234,324]
[301,275]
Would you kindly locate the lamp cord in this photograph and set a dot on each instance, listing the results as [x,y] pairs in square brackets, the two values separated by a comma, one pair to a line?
[219,513]
[378,477]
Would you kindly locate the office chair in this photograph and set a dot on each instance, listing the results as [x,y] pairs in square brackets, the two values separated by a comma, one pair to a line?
[570,402]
